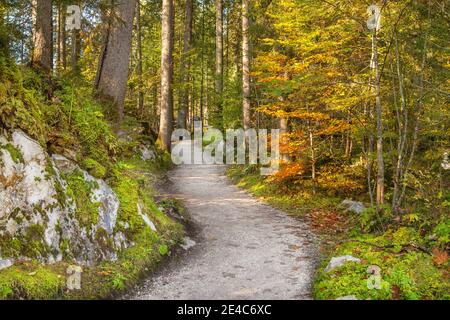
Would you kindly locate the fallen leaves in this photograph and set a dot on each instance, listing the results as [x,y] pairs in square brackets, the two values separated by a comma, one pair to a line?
[439,257]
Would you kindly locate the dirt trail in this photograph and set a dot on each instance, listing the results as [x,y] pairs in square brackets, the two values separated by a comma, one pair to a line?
[244,248]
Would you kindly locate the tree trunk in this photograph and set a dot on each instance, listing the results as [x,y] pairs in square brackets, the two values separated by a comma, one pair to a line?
[63,38]
[76,48]
[58,39]
[139,60]
[283,125]
[42,52]
[217,116]
[379,121]
[185,66]
[112,73]
[245,64]
[166,120]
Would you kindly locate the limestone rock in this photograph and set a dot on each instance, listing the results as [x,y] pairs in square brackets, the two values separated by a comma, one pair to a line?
[6,263]
[33,198]
[146,219]
[353,206]
[336,262]
[147,152]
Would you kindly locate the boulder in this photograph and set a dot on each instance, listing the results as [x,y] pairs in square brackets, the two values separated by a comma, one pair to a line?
[33,199]
[336,262]
[147,152]
[6,263]
[353,206]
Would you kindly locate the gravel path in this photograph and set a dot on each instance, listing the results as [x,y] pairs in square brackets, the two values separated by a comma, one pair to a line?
[244,248]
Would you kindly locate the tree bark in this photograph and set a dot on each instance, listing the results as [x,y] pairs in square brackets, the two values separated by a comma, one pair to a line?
[379,121]
[139,59]
[112,74]
[63,38]
[42,52]
[166,120]
[76,50]
[246,64]
[218,84]
[185,66]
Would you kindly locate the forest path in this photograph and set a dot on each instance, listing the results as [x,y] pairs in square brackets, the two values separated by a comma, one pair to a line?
[244,248]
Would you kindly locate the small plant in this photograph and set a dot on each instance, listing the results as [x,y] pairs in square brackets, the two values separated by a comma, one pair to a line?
[163,249]
[375,220]
[119,281]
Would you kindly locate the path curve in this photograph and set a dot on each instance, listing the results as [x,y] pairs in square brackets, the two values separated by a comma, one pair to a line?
[245,249]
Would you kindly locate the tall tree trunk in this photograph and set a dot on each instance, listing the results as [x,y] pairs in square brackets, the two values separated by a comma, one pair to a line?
[218,84]
[42,53]
[139,62]
[379,122]
[112,73]
[202,62]
[245,64]
[185,66]
[63,38]
[58,39]
[76,50]
[166,121]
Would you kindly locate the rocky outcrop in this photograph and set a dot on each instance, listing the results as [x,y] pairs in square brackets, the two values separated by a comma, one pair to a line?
[39,217]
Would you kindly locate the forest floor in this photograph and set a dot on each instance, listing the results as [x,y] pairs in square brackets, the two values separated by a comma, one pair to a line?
[244,248]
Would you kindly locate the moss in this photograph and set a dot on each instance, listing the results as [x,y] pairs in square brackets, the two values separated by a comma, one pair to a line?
[30,244]
[15,154]
[64,246]
[80,191]
[10,247]
[33,244]
[102,238]
[94,168]
[30,280]
[127,190]
[404,275]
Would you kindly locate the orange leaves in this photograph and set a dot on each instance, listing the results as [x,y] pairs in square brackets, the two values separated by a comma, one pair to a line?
[288,171]
[329,222]
[439,257]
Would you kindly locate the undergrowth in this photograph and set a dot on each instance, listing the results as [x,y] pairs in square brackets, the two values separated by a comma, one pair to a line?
[410,253]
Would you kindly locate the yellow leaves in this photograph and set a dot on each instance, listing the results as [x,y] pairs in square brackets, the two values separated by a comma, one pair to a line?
[270,79]
[336,126]
[311,116]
